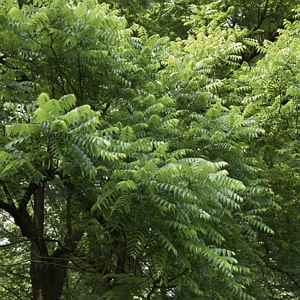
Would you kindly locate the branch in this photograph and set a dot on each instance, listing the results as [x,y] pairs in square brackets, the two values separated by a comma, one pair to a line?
[14,243]
[154,287]
[60,72]
[10,208]
[10,291]
[178,275]
[105,109]
[262,17]
[22,219]
[20,214]
[284,272]
[67,250]
[29,192]
[6,192]
[2,60]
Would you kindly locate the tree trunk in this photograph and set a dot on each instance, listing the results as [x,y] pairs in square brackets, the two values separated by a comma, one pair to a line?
[47,272]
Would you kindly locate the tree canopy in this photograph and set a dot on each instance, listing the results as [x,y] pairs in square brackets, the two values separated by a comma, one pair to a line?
[149,150]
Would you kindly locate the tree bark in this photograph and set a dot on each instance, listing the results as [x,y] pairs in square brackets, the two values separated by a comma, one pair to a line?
[47,272]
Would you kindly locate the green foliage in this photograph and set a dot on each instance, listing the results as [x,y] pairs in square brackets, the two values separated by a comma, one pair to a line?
[273,104]
[164,163]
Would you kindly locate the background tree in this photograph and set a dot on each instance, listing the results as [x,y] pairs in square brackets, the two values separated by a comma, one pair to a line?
[271,97]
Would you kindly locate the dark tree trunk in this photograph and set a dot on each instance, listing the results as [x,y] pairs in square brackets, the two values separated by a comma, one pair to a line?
[47,273]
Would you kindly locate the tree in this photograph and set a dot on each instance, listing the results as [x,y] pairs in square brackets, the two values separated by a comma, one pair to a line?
[271,96]
[129,163]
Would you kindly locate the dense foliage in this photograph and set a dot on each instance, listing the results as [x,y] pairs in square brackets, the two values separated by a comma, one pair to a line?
[149,150]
